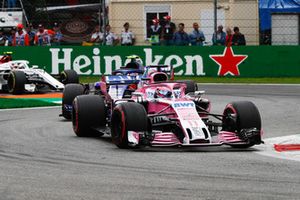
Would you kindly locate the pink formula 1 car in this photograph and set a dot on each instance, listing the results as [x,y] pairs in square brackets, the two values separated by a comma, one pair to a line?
[161,114]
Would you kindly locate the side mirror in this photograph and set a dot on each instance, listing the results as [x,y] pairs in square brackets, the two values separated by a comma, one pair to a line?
[145,79]
[200,92]
[139,96]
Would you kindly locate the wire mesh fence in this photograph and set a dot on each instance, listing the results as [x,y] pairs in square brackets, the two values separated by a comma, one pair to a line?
[230,14]
[149,25]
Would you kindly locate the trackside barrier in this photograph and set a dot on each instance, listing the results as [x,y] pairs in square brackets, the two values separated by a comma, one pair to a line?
[246,61]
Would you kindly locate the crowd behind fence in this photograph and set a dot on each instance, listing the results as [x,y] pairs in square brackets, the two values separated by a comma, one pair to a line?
[162,27]
[167,34]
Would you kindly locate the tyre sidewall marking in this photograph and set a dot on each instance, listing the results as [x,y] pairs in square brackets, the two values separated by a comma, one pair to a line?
[75,105]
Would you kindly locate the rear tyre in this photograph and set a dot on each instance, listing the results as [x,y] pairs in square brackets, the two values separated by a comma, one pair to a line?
[16,82]
[88,114]
[69,76]
[126,117]
[70,92]
[191,86]
[239,116]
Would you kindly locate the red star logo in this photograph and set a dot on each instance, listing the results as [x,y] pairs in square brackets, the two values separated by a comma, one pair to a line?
[228,62]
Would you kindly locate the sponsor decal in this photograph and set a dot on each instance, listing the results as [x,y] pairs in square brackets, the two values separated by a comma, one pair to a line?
[159,119]
[183,105]
[76,27]
[99,64]
[228,62]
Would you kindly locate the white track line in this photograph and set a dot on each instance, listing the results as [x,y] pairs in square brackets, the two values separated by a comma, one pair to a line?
[32,108]
[268,148]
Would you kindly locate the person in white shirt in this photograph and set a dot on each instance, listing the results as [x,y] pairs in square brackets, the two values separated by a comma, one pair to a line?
[110,39]
[97,36]
[127,37]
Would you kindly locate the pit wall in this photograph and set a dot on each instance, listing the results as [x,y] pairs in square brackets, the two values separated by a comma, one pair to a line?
[258,61]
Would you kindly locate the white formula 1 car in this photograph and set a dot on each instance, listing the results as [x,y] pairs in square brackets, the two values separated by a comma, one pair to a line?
[17,77]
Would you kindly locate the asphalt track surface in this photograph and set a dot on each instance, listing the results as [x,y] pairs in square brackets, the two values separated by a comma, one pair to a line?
[41,158]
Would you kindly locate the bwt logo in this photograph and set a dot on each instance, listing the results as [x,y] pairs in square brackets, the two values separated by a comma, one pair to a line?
[184,105]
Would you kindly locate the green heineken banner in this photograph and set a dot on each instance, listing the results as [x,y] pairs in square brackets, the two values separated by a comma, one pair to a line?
[244,61]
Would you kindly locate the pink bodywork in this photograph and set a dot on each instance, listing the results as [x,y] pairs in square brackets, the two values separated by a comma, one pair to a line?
[163,106]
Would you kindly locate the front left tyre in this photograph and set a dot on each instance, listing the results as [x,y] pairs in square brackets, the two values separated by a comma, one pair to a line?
[88,115]
[129,116]
[16,82]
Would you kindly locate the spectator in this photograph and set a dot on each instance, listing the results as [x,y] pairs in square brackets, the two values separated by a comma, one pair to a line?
[127,37]
[3,38]
[97,36]
[219,37]
[11,3]
[196,36]
[43,36]
[57,36]
[21,38]
[168,31]
[11,36]
[228,41]
[155,32]
[266,37]
[31,34]
[110,39]
[238,38]
[181,38]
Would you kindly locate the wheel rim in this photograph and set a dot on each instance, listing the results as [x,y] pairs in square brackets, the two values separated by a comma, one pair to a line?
[11,82]
[118,127]
[229,125]
[63,78]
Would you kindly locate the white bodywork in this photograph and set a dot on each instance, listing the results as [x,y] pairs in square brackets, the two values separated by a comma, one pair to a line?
[34,71]
[190,120]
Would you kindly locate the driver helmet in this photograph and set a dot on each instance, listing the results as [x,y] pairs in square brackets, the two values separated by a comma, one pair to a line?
[14,65]
[137,59]
[18,66]
[162,93]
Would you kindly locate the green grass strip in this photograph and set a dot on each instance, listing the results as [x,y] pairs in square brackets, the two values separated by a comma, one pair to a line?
[277,80]
[23,103]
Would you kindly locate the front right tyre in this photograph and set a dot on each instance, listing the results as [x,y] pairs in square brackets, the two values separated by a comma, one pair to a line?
[240,116]
[69,76]
[191,86]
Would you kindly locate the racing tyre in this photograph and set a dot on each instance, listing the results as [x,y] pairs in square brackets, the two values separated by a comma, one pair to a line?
[16,82]
[69,76]
[88,114]
[240,116]
[70,92]
[191,86]
[126,117]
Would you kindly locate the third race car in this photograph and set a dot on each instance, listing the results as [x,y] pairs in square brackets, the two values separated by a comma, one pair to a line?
[17,77]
